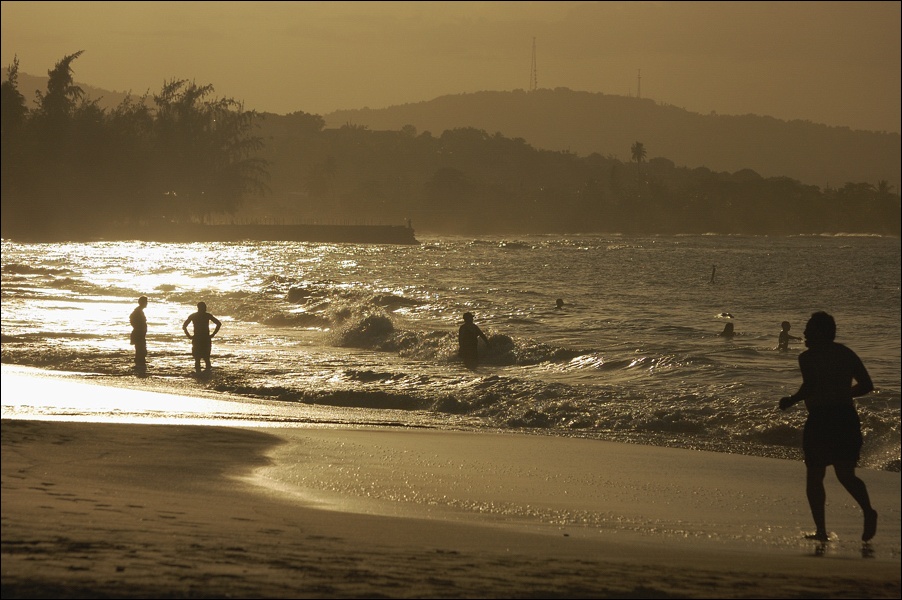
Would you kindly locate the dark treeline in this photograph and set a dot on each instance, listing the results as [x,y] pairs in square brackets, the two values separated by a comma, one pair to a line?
[468,181]
[72,169]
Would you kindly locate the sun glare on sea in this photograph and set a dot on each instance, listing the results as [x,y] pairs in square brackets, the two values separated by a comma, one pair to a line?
[26,394]
[183,267]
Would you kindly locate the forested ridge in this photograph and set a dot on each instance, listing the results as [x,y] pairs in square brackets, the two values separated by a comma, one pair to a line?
[466,180]
[74,170]
[585,123]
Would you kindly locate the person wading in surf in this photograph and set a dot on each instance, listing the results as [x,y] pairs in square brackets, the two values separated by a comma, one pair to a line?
[201,338]
[468,341]
[138,322]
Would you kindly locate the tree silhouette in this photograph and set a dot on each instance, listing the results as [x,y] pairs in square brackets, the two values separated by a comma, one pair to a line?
[72,170]
[59,101]
[638,153]
[14,110]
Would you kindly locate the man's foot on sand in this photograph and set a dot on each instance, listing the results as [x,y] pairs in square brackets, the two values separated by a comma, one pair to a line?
[870,525]
[818,536]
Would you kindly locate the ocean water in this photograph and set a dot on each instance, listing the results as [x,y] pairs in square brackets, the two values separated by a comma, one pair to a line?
[368,333]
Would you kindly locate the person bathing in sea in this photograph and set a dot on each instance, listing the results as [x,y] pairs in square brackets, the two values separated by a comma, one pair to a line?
[138,336]
[783,343]
[468,341]
[201,338]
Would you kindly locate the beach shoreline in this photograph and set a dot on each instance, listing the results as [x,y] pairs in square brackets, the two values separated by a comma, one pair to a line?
[142,509]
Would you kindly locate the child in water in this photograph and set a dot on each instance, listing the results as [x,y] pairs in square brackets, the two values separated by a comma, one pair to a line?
[783,344]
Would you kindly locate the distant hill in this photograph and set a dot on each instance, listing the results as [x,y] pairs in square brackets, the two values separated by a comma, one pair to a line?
[586,123]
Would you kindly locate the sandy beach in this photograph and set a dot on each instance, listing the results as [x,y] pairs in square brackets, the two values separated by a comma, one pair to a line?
[161,510]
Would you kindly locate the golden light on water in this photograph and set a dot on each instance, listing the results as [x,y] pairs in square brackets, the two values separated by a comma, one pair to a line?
[28,394]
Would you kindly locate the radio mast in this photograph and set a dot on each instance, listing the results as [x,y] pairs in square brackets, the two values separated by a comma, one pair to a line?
[533,79]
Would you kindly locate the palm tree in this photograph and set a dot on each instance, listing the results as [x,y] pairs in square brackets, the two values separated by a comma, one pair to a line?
[638,152]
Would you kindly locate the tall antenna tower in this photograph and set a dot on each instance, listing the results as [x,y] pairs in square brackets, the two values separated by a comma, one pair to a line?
[639,92]
[533,79]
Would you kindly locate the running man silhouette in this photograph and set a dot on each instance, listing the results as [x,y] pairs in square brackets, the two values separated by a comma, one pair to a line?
[832,434]
[201,338]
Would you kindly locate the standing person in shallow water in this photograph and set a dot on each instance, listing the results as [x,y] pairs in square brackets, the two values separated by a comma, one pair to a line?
[783,343]
[201,338]
[468,341]
[832,434]
[139,334]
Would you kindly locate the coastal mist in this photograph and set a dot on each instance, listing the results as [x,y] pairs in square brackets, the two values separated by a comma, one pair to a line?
[367,334]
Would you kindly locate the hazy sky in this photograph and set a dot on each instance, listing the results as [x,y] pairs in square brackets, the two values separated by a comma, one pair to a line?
[829,62]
